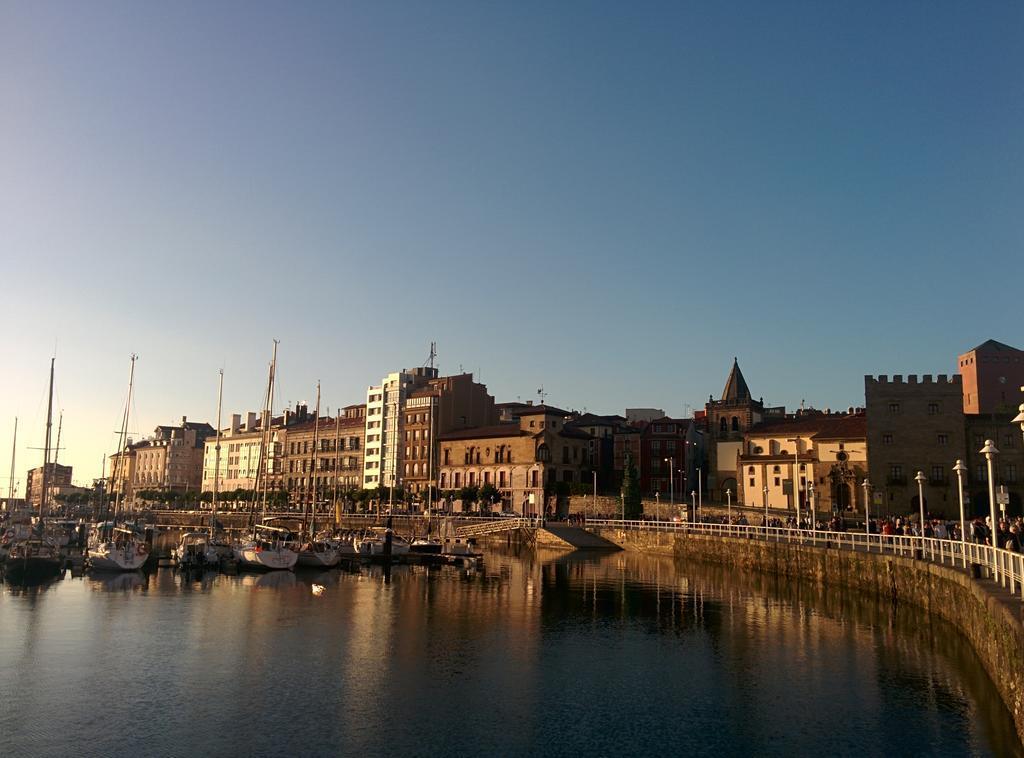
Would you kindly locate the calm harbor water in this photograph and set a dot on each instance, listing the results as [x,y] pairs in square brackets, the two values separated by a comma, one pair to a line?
[543,654]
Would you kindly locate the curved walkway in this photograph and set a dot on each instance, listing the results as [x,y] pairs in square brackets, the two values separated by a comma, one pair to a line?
[1003,566]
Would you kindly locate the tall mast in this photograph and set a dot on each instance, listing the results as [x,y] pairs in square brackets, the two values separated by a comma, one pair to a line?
[261,478]
[14,448]
[270,415]
[216,458]
[122,458]
[46,448]
[430,459]
[312,468]
[337,458]
[103,487]
[56,450]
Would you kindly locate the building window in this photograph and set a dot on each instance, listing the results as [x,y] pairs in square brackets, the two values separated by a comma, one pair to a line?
[896,473]
[1010,440]
[894,408]
[750,470]
[933,409]
[751,482]
[735,424]
[938,475]
[979,440]
[1010,473]
[776,470]
[886,439]
[982,472]
[942,439]
[776,481]
[723,425]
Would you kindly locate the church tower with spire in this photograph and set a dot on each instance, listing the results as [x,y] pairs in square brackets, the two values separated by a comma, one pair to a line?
[727,420]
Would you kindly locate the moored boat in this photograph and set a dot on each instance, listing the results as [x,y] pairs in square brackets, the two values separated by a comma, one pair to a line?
[115,548]
[33,559]
[269,550]
[318,555]
[373,543]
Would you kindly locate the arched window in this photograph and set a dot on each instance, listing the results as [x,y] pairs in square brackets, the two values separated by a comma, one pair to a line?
[735,424]
[543,453]
[776,470]
[750,470]
[723,425]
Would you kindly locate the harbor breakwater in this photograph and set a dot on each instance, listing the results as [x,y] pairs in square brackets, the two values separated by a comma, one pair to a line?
[987,617]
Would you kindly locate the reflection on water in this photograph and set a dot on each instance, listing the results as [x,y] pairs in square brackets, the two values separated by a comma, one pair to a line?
[551,653]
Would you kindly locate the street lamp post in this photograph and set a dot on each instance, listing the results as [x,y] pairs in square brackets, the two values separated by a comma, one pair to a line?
[671,482]
[920,479]
[700,490]
[693,504]
[990,452]
[796,474]
[657,505]
[728,499]
[810,507]
[960,468]
[765,491]
[867,510]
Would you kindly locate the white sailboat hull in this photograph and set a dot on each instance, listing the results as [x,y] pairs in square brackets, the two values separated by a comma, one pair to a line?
[319,558]
[266,559]
[113,558]
[372,547]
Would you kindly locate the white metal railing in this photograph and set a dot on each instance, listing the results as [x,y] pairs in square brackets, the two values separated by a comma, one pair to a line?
[1003,566]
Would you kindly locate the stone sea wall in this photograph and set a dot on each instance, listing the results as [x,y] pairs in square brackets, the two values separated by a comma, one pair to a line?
[989,620]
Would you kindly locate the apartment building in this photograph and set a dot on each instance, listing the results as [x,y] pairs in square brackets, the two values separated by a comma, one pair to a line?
[172,459]
[406,413]
[241,452]
[57,476]
[524,460]
[328,453]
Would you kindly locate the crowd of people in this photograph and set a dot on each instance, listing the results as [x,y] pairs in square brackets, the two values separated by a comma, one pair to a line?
[1009,532]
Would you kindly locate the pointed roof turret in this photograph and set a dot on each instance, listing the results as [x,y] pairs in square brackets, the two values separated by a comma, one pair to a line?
[736,388]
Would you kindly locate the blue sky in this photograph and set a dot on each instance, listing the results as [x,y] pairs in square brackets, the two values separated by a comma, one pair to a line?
[611,200]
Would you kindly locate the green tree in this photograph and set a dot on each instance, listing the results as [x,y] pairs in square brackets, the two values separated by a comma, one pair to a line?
[632,502]
[468,495]
[488,493]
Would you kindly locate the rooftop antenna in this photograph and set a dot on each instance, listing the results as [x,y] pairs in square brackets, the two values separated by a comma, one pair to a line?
[542,394]
[433,354]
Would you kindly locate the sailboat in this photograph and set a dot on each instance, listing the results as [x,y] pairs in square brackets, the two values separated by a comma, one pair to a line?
[268,547]
[34,557]
[114,545]
[316,553]
[200,549]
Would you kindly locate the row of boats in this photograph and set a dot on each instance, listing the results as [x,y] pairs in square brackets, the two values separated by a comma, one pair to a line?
[34,551]
[276,548]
